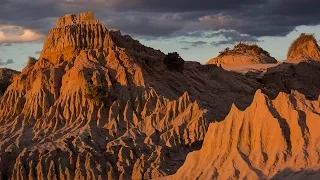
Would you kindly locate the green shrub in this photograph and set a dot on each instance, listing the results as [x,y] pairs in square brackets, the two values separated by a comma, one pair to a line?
[174,61]
[95,92]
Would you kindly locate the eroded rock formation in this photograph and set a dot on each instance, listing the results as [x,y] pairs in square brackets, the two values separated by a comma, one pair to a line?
[149,118]
[243,54]
[271,139]
[304,48]
[145,119]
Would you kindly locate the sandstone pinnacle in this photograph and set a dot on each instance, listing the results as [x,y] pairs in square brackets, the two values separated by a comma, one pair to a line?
[304,48]
[74,33]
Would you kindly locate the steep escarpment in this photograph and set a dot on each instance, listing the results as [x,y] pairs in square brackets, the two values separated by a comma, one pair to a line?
[304,48]
[6,78]
[139,120]
[243,54]
[271,139]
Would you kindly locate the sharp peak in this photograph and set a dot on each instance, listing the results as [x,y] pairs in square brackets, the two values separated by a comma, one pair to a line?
[72,19]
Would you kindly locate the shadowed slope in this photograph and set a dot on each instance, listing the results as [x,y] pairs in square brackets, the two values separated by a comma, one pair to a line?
[302,77]
[291,174]
[6,78]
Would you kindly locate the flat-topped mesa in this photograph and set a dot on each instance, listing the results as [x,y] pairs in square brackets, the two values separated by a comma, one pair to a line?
[72,34]
[243,54]
[304,48]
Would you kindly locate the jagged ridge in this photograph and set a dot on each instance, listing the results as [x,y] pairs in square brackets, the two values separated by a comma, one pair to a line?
[270,136]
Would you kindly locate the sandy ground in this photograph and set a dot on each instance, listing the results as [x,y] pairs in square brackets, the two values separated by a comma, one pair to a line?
[249,67]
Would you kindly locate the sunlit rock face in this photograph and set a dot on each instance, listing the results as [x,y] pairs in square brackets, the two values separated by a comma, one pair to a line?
[243,54]
[271,139]
[74,33]
[99,105]
[146,121]
[304,48]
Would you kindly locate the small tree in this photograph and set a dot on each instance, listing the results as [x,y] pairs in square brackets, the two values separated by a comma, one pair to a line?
[174,61]
[95,92]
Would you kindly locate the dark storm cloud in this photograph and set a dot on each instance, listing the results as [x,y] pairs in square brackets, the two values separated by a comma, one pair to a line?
[181,5]
[146,24]
[170,18]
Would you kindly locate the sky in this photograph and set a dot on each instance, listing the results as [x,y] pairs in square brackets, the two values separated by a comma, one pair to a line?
[197,29]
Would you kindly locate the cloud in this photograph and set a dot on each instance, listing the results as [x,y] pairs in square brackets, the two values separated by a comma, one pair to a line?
[218,21]
[6,44]
[145,24]
[231,37]
[4,63]
[185,48]
[166,18]
[194,43]
[10,61]
[179,5]
[14,34]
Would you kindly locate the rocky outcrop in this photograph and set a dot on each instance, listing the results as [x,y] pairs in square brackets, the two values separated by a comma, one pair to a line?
[147,120]
[83,32]
[304,48]
[73,34]
[6,78]
[301,77]
[140,119]
[271,139]
[243,54]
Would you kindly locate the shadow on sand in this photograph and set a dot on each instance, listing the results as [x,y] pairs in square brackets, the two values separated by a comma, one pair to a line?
[290,174]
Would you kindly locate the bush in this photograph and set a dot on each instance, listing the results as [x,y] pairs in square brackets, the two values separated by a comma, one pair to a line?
[174,61]
[95,92]
[31,61]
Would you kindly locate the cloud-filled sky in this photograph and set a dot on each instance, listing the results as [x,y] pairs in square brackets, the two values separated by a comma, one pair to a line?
[198,30]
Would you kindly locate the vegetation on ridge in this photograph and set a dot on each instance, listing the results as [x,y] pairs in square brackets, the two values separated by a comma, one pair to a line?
[244,48]
[174,61]
[302,39]
[95,92]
